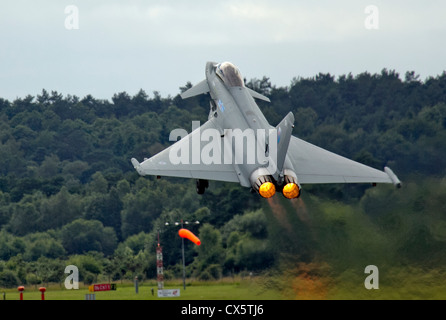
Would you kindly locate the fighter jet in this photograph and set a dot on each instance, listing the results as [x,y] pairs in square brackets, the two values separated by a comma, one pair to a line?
[237,144]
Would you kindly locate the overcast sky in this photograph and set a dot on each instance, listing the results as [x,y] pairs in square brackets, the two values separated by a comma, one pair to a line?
[105,47]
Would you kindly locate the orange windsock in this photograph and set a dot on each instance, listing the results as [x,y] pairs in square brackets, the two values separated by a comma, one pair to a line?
[184,233]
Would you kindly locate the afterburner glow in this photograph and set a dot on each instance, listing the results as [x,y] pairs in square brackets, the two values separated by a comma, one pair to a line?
[291,191]
[267,190]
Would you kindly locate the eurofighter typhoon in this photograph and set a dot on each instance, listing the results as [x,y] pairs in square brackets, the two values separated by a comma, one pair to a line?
[237,144]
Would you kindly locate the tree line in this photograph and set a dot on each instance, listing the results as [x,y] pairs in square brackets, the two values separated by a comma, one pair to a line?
[68,192]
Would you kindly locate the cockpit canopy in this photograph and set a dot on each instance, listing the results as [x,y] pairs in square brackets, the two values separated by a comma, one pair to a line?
[230,74]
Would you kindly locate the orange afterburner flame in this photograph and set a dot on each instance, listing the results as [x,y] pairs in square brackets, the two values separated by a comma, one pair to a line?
[290,190]
[184,233]
[267,190]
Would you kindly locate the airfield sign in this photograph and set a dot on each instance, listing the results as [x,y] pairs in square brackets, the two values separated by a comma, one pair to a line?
[168,293]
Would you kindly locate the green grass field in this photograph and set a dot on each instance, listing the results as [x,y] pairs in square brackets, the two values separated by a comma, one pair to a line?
[243,290]
[395,284]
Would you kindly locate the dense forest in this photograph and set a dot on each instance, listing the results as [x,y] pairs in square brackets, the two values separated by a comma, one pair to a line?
[69,194]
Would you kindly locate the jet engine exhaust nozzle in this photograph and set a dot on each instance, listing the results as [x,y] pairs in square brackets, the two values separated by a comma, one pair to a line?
[291,191]
[291,188]
[267,189]
[264,185]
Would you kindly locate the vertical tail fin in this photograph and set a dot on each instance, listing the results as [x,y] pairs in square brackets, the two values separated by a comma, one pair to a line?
[284,130]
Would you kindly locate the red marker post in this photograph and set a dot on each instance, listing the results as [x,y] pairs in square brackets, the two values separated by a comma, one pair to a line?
[42,289]
[21,289]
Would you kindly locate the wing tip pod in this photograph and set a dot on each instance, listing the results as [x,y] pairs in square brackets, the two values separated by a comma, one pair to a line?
[396,182]
[137,166]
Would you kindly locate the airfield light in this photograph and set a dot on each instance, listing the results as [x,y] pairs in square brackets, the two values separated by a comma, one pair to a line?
[291,190]
[267,190]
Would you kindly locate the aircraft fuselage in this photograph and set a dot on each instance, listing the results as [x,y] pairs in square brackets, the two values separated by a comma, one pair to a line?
[234,107]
